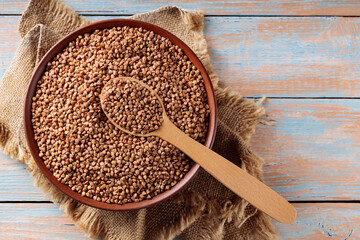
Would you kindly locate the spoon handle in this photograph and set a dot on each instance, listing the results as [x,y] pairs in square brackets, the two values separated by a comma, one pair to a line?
[237,180]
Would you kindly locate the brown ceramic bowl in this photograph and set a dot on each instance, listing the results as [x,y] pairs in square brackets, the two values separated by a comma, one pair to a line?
[58,47]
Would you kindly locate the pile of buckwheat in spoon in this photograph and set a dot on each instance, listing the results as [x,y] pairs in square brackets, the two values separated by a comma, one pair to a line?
[131,106]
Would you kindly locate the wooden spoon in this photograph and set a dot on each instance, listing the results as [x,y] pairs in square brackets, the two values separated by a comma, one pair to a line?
[237,180]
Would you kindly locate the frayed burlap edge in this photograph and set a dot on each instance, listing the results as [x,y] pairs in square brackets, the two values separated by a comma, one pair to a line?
[86,217]
[53,10]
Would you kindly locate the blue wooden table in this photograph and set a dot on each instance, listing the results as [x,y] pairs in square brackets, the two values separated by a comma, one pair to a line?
[303,55]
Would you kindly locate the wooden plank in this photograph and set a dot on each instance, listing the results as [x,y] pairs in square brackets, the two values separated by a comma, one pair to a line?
[335,221]
[211,7]
[16,183]
[276,57]
[36,221]
[311,153]
[9,41]
[287,57]
[315,221]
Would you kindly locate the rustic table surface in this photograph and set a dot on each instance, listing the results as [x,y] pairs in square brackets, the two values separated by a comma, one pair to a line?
[303,55]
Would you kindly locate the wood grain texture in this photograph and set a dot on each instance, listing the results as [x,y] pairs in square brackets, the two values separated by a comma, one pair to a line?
[325,221]
[335,221]
[28,221]
[311,153]
[211,7]
[16,183]
[287,57]
[9,41]
[275,57]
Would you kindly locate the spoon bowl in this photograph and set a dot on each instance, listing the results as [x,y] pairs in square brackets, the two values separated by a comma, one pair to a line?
[133,80]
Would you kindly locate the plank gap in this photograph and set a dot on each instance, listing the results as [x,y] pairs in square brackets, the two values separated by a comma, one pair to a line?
[324,201]
[206,15]
[214,15]
[291,201]
[228,8]
[294,98]
[34,202]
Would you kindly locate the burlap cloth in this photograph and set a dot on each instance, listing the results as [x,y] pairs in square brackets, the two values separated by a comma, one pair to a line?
[205,209]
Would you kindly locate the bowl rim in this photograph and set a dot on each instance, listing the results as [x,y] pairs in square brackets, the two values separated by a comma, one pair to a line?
[38,73]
